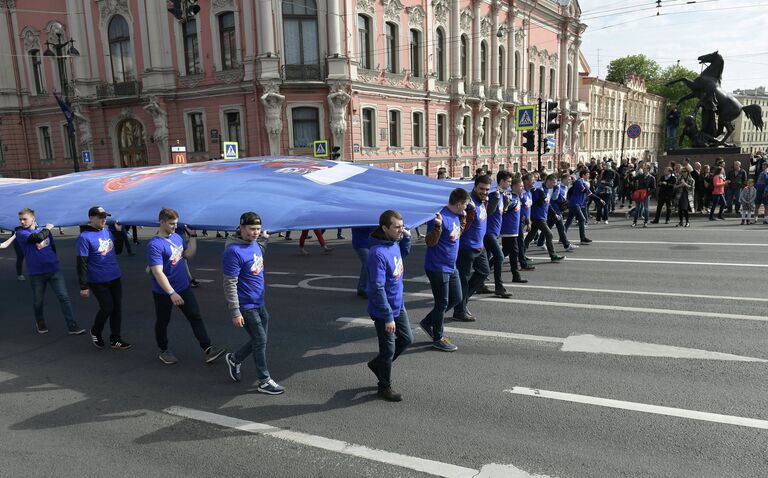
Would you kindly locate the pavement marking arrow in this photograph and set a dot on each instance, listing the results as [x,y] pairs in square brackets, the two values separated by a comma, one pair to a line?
[586,343]
[641,407]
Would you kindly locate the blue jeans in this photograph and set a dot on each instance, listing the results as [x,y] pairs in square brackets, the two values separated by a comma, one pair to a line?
[641,209]
[39,283]
[495,257]
[717,199]
[362,282]
[473,270]
[671,136]
[578,214]
[257,325]
[391,345]
[446,289]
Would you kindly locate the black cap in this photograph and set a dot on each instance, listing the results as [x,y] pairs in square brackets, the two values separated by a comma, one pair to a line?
[250,219]
[98,211]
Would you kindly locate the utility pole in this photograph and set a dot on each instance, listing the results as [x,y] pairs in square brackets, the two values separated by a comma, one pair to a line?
[623,133]
[539,140]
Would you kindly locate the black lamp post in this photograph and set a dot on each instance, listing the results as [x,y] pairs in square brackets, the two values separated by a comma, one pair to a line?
[60,54]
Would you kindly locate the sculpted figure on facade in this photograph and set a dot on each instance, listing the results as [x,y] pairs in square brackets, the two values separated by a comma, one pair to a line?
[160,118]
[338,100]
[501,115]
[273,115]
[482,112]
[463,110]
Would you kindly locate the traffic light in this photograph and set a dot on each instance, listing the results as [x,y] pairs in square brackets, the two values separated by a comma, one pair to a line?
[176,9]
[545,145]
[551,116]
[183,9]
[335,153]
[530,140]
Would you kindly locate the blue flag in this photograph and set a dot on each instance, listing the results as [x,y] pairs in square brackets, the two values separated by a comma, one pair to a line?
[66,109]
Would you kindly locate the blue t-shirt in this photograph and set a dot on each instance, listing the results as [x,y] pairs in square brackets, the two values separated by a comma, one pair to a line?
[510,222]
[385,267]
[442,256]
[494,217]
[360,237]
[541,199]
[473,235]
[168,253]
[99,248]
[41,258]
[527,201]
[558,194]
[245,261]
[579,193]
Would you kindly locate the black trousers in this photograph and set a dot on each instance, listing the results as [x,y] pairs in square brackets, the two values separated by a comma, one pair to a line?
[109,295]
[509,249]
[190,309]
[662,201]
[538,225]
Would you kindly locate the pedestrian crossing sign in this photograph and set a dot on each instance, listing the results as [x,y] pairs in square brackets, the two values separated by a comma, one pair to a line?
[525,118]
[320,148]
[231,150]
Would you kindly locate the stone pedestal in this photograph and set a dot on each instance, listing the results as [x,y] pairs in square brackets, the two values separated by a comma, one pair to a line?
[707,156]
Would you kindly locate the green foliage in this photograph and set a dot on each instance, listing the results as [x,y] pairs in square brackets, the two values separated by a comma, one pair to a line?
[641,65]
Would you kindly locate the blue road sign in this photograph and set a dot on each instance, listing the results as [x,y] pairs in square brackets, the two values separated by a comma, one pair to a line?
[86,156]
[231,150]
[320,148]
[525,118]
[634,131]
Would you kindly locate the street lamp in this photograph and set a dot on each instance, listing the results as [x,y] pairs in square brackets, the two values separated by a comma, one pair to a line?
[60,55]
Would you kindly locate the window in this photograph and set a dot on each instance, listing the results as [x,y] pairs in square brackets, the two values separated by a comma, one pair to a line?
[531,77]
[440,54]
[390,46]
[37,70]
[306,126]
[233,125]
[502,166]
[464,58]
[483,61]
[66,142]
[197,128]
[120,50]
[415,48]
[302,60]
[418,129]
[485,132]
[551,82]
[518,67]
[46,150]
[2,152]
[465,172]
[418,172]
[501,66]
[394,129]
[191,49]
[466,140]
[542,75]
[515,167]
[369,128]
[442,137]
[364,41]
[227,41]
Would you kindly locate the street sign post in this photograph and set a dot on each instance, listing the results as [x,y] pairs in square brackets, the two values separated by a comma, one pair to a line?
[634,131]
[320,148]
[86,157]
[231,150]
[525,118]
[178,154]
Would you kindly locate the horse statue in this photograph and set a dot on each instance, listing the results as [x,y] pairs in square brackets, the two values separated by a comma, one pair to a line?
[716,103]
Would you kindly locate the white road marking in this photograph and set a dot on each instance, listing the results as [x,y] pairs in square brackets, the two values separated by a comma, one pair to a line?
[431,467]
[586,343]
[687,263]
[681,243]
[420,279]
[279,273]
[637,292]
[641,407]
[284,286]
[205,269]
[205,281]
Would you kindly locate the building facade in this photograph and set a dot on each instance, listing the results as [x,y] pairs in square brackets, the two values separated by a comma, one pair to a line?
[613,107]
[409,85]
[746,135]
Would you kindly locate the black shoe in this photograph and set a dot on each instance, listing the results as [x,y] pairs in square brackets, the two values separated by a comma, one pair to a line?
[41,327]
[586,240]
[520,280]
[666,222]
[234,367]
[98,342]
[503,294]
[721,218]
[679,224]
[74,329]
[194,284]
[484,290]
[654,222]
[362,294]
[340,237]
[687,224]
[527,268]
[390,395]
[120,344]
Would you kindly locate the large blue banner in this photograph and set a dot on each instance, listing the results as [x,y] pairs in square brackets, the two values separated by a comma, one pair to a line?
[288,193]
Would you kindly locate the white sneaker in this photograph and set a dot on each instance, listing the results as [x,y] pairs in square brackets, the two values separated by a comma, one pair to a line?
[606,222]
[541,248]
[570,248]
[21,278]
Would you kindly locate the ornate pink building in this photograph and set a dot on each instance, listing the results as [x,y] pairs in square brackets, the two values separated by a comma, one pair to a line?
[414,85]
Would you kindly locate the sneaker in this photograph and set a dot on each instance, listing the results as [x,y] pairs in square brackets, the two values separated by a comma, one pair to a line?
[586,240]
[390,395]
[468,317]
[270,387]
[98,342]
[74,329]
[484,290]
[501,293]
[302,252]
[527,259]
[687,224]
[666,221]
[340,237]
[426,328]
[541,248]
[645,224]
[527,268]
[120,344]
[41,327]
[234,367]
[606,222]
[570,248]
[327,249]
[21,277]
[556,258]
[634,224]
[194,283]
[167,357]
[212,353]
[520,280]
[444,345]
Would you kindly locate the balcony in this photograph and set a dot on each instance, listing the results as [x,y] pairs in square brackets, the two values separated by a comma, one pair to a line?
[125,88]
[303,72]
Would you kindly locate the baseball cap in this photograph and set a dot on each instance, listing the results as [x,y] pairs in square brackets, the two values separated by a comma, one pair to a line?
[98,211]
[250,219]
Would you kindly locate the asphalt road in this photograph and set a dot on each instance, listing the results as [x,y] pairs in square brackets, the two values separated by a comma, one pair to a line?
[67,409]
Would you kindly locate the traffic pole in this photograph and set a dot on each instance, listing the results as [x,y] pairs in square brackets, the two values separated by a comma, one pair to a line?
[623,133]
[538,150]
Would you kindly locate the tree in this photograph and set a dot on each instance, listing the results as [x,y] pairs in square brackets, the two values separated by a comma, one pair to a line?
[640,64]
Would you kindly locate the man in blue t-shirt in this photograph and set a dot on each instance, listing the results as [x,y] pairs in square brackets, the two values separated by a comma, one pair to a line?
[577,199]
[98,271]
[510,228]
[540,209]
[43,269]
[442,239]
[498,201]
[390,243]
[243,268]
[526,201]
[167,254]
[472,261]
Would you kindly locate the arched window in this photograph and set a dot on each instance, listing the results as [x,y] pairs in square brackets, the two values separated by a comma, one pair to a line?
[37,70]
[120,50]
[440,54]
[502,57]
[390,46]
[483,61]
[302,60]
[542,74]
[518,67]
[415,48]
[228,41]
[364,41]
[306,126]
[464,56]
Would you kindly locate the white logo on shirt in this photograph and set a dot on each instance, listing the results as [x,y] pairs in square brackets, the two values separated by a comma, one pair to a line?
[258,264]
[176,253]
[45,243]
[397,273]
[105,245]
[455,231]
[528,202]
[483,215]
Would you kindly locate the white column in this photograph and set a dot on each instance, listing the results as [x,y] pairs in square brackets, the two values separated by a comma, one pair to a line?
[575,72]
[455,39]
[511,49]
[337,62]
[524,59]
[475,37]
[250,42]
[161,74]
[494,73]
[269,63]
[76,29]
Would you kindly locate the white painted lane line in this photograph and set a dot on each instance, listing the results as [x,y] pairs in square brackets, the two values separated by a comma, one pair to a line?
[586,343]
[275,273]
[681,243]
[204,281]
[205,269]
[687,263]
[431,467]
[284,286]
[637,292]
[641,407]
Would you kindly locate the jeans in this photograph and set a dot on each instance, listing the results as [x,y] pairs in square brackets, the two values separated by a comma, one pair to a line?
[39,282]
[19,257]
[520,240]
[391,345]
[671,136]
[190,309]
[473,270]
[539,225]
[509,249]
[552,221]
[717,199]
[109,295]
[602,209]
[257,325]
[641,209]
[362,282]
[495,257]
[732,199]
[446,290]
[575,212]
